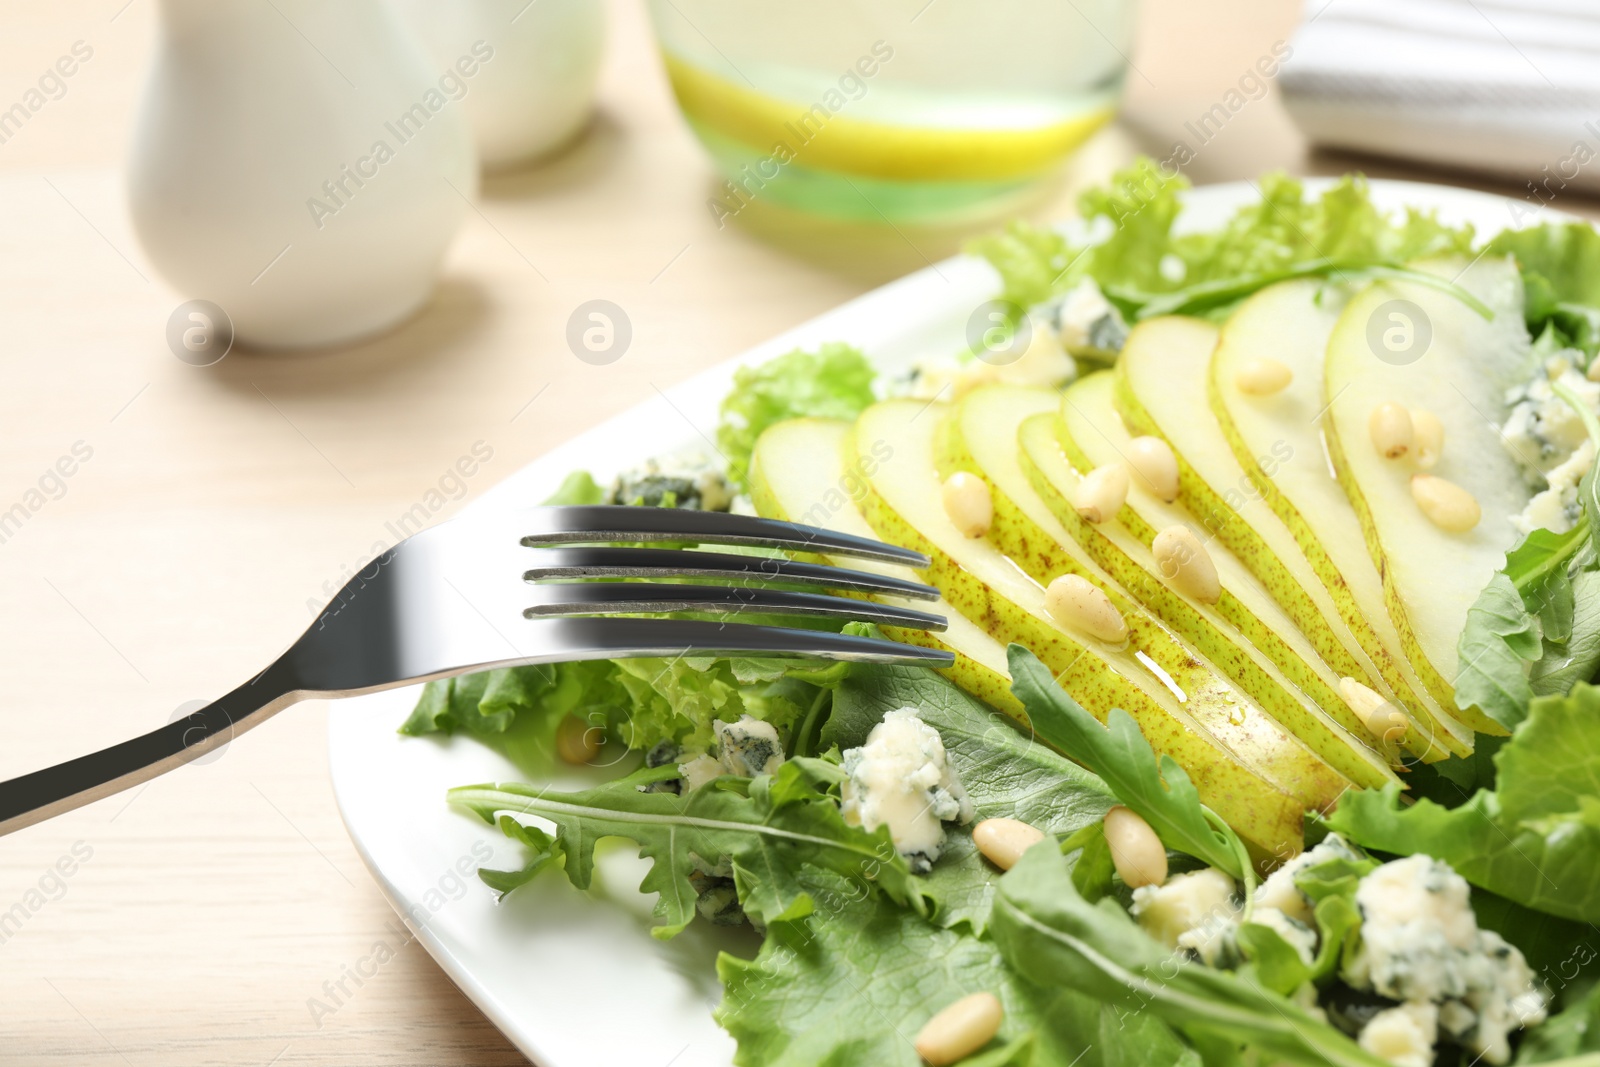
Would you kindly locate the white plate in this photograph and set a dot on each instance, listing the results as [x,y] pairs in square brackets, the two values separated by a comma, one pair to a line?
[575,979]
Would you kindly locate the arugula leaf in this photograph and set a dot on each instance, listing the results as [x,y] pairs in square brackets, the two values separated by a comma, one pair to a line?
[1160,792]
[1053,937]
[542,851]
[1536,839]
[852,988]
[834,382]
[1005,773]
[770,828]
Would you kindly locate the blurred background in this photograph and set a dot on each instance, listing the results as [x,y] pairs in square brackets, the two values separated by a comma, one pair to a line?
[712,177]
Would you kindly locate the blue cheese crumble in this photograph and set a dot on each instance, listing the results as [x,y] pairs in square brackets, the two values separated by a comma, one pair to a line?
[1547,439]
[901,779]
[745,748]
[688,481]
[1420,944]
[1195,912]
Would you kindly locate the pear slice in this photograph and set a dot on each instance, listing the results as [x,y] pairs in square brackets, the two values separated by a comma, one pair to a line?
[1161,388]
[798,474]
[903,505]
[1291,323]
[1431,577]
[1244,633]
[980,435]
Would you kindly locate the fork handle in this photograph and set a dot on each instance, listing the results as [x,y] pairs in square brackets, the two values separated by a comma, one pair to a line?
[44,794]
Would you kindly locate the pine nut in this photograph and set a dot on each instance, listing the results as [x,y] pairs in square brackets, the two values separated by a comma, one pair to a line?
[1186,565]
[1262,377]
[1391,429]
[960,1029]
[1381,716]
[968,503]
[1447,505]
[1152,460]
[1428,436]
[578,742]
[1136,851]
[1072,601]
[1102,492]
[1003,841]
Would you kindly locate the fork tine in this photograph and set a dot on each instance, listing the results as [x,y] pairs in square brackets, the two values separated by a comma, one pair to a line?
[619,522]
[591,638]
[614,598]
[614,562]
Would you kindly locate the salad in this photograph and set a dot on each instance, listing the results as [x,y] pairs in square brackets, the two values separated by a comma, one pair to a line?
[1271,561]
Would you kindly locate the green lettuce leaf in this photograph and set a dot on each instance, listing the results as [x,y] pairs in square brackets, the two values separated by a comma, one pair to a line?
[579,487]
[1560,264]
[1118,753]
[851,988]
[638,702]
[1573,1032]
[1535,840]
[1054,938]
[1005,773]
[1146,268]
[770,828]
[834,382]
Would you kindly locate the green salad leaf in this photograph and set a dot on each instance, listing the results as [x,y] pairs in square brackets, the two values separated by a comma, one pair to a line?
[768,829]
[638,702]
[852,988]
[1535,628]
[579,487]
[1159,791]
[1135,253]
[1005,773]
[1054,938]
[834,382]
[1534,839]
[1560,265]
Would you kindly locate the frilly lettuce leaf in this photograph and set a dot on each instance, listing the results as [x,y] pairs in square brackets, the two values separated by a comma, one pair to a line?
[834,382]
[1133,252]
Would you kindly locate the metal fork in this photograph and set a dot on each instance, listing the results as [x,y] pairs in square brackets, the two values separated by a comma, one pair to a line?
[456,598]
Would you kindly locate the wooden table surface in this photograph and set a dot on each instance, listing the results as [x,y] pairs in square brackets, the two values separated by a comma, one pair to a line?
[205,910]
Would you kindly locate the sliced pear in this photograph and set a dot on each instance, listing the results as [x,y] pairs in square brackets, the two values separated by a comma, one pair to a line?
[1259,725]
[1292,323]
[1430,577]
[1161,385]
[903,506]
[798,473]
[1244,633]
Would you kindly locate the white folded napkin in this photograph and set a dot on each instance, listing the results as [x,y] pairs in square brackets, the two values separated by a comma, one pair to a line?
[1507,87]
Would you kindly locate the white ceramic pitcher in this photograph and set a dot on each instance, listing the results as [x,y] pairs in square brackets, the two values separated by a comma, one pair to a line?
[301,164]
